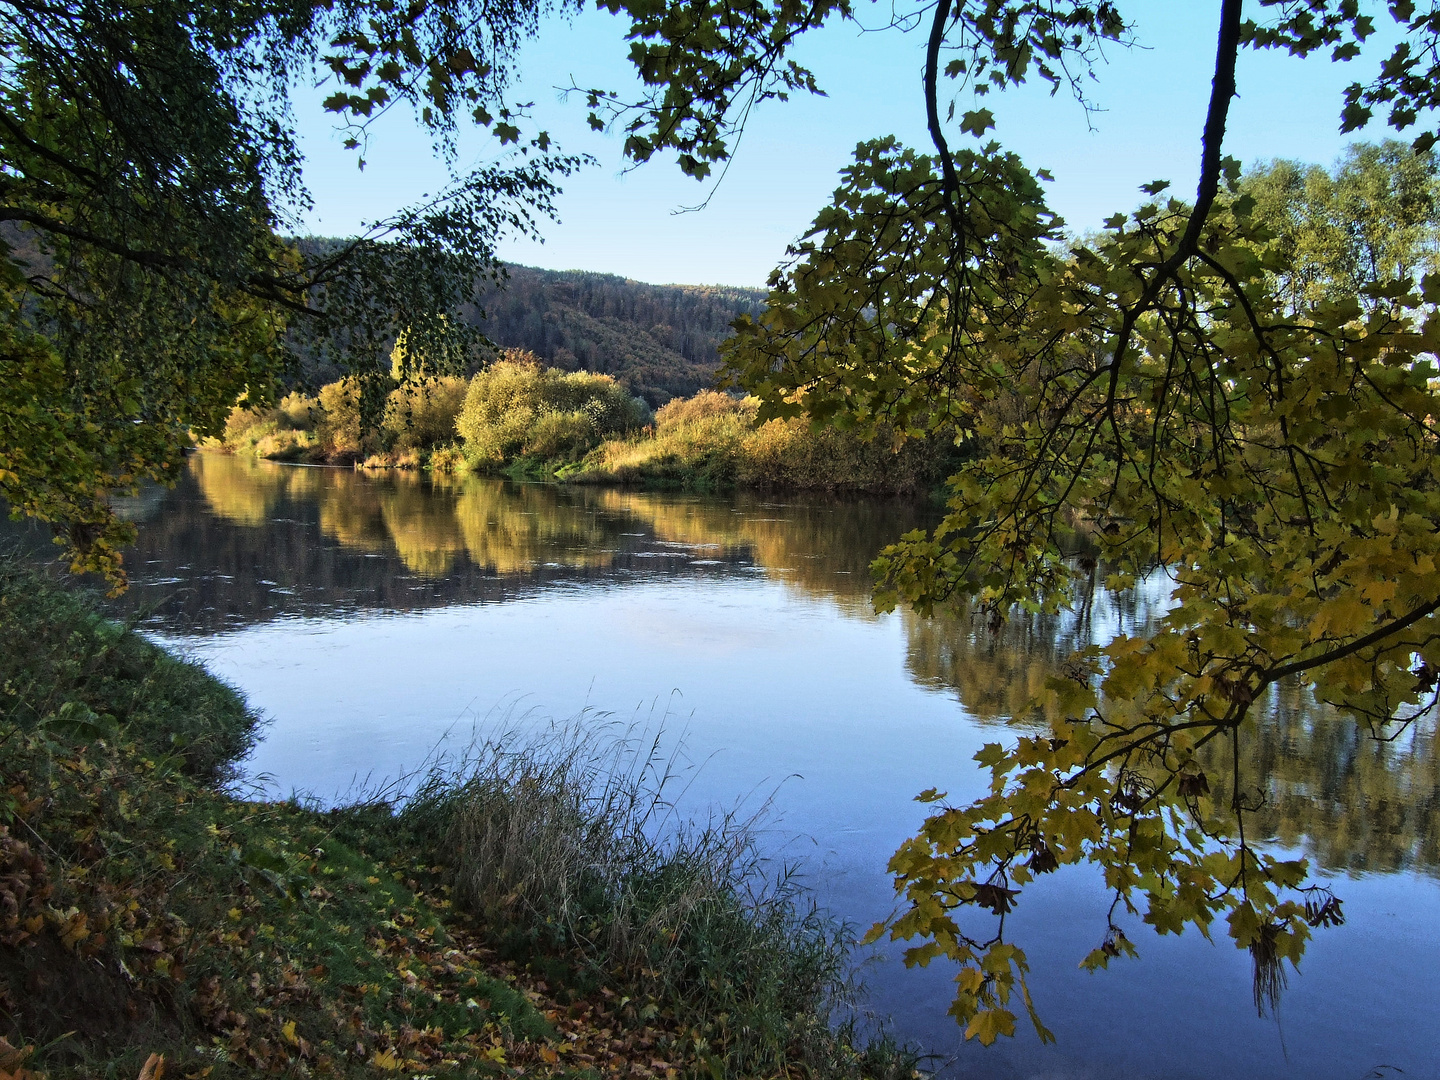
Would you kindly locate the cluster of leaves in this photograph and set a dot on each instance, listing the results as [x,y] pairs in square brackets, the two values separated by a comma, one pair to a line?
[150,168]
[1174,390]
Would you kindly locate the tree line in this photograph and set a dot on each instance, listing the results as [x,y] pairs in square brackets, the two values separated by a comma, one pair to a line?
[659,341]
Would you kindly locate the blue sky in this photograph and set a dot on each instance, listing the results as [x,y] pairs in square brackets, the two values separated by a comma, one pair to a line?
[1154,97]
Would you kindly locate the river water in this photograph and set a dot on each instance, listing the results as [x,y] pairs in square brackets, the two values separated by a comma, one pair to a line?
[376,621]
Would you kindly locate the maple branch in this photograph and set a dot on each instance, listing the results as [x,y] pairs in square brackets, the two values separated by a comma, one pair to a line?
[1222,89]
[1339,653]
[950,181]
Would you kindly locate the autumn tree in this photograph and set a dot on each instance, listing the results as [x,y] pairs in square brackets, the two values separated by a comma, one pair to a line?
[149,175]
[1201,391]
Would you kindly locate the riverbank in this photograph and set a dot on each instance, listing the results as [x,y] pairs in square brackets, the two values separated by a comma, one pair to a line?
[525,422]
[712,443]
[511,918]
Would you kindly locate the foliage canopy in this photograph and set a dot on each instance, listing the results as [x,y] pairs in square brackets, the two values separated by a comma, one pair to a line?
[149,174]
[1234,392]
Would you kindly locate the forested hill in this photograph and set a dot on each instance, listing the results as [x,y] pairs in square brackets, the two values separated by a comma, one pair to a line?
[658,340]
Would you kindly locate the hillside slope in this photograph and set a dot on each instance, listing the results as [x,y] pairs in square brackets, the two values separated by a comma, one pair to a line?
[660,341]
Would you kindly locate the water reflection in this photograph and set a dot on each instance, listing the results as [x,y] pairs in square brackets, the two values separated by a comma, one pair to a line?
[1353,802]
[240,542]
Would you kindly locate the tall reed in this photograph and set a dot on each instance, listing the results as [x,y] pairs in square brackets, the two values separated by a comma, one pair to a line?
[572,837]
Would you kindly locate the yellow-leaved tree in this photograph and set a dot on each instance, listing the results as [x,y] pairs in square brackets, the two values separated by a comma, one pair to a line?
[1235,391]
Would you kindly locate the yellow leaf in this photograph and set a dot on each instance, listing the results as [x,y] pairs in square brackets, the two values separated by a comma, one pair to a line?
[288,1032]
[384,1059]
[989,1025]
[970,980]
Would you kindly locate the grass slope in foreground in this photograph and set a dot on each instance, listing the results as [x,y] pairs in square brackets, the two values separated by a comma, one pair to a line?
[517,918]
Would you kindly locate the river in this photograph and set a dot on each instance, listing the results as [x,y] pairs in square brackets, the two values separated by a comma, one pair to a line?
[375,621]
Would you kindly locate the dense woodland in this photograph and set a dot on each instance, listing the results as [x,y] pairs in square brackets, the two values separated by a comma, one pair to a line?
[658,341]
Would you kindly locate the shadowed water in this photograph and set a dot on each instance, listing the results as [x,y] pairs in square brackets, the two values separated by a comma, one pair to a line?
[374,619]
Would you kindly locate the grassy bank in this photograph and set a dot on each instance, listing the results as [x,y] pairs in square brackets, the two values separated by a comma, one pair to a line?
[523,916]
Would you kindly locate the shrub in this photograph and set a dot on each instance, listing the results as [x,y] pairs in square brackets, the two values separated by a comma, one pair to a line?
[562,435]
[711,442]
[447,459]
[703,406]
[421,416]
[281,433]
[300,411]
[516,408]
[342,435]
[698,444]
[287,445]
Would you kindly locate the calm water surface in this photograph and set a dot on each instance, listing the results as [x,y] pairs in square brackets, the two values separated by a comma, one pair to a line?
[376,620]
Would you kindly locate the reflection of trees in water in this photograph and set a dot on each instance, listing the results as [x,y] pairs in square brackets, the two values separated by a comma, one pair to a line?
[501,527]
[422,526]
[1353,802]
[998,670]
[446,531]
[509,528]
[822,546]
[995,674]
[236,494]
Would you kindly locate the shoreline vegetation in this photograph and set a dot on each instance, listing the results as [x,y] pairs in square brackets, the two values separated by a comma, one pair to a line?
[530,911]
[519,419]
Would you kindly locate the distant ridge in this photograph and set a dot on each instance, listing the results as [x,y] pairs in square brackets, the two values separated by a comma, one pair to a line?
[659,341]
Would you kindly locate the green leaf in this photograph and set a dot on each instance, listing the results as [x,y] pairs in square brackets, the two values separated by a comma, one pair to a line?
[977,122]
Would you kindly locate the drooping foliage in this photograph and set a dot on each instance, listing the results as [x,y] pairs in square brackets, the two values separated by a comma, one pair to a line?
[1235,392]
[149,174]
